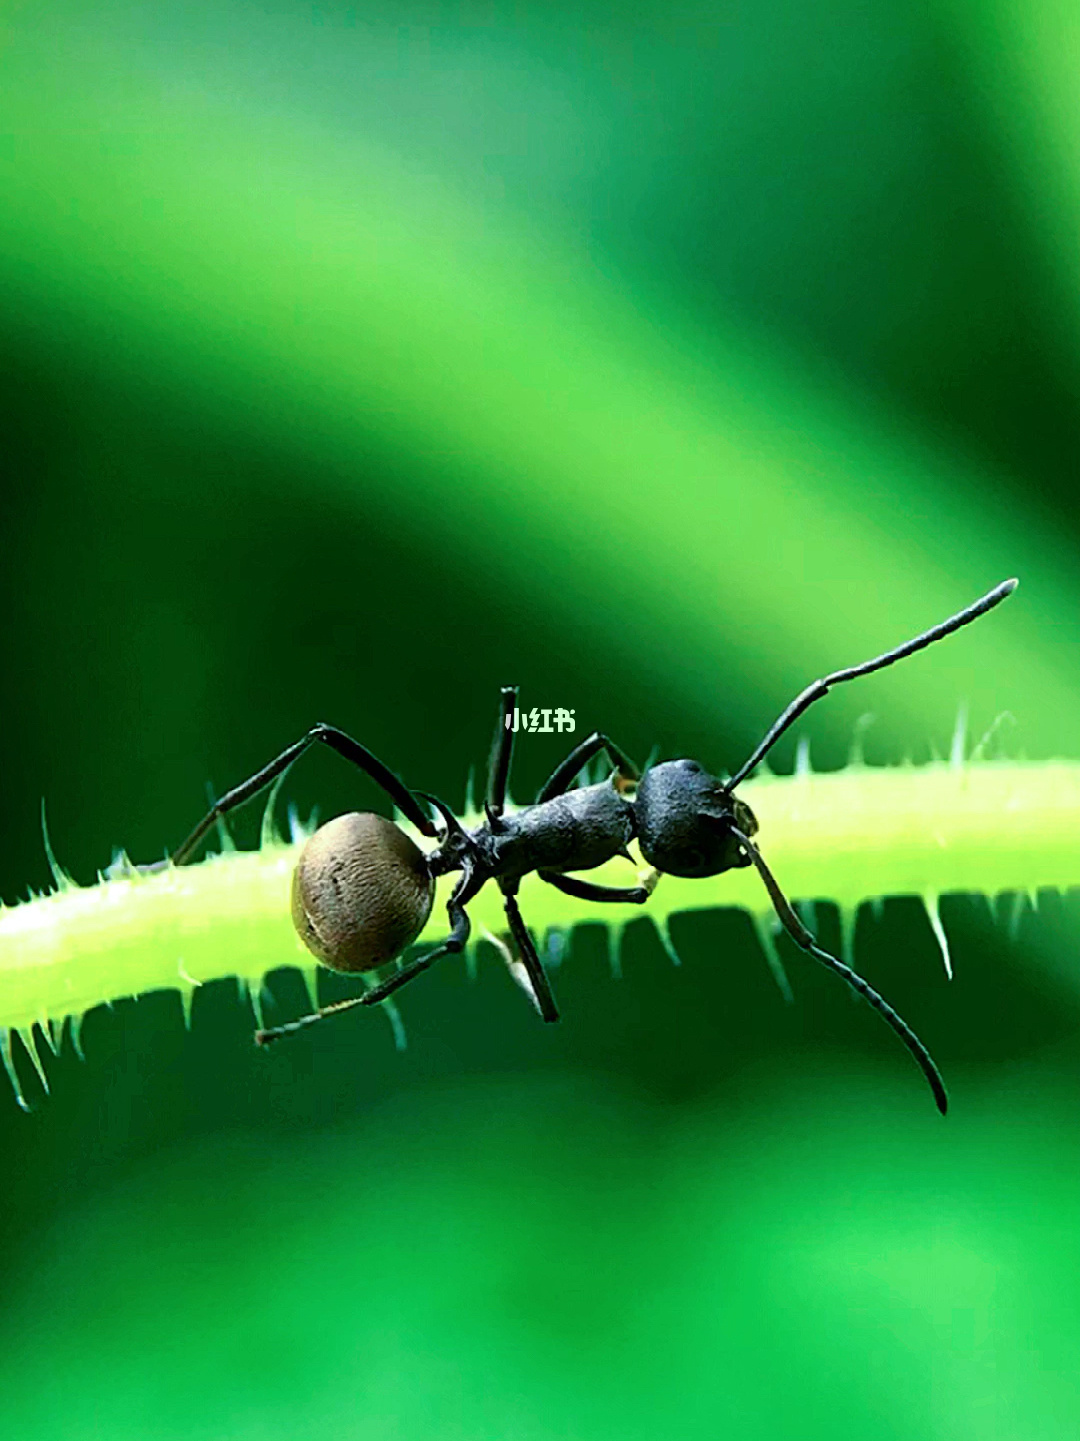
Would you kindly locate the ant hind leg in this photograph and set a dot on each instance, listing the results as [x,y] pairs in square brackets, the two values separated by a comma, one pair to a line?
[460,930]
[347,748]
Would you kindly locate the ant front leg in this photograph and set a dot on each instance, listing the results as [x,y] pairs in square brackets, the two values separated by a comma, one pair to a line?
[563,776]
[589,891]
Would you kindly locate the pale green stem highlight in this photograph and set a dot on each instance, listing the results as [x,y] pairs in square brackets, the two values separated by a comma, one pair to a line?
[846,837]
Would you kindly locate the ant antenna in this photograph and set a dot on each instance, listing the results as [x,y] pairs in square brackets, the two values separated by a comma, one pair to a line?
[819,688]
[805,941]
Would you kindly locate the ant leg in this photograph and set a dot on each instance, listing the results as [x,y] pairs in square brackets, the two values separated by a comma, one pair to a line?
[560,779]
[805,941]
[464,891]
[502,749]
[345,746]
[533,964]
[588,891]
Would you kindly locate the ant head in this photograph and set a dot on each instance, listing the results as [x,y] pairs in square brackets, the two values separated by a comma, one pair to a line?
[685,818]
[362,892]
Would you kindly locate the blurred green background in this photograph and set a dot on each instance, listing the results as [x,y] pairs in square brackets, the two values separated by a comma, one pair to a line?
[360,359]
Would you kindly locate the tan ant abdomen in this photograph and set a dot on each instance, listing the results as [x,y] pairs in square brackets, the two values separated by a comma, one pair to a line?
[361,892]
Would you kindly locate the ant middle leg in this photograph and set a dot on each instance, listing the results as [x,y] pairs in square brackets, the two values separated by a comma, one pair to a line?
[338,741]
[502,750]
[534,966]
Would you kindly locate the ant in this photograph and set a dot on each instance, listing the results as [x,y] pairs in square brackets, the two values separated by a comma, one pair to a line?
[363,890]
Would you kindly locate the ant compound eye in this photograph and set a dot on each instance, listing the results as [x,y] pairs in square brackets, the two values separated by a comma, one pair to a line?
[361,892]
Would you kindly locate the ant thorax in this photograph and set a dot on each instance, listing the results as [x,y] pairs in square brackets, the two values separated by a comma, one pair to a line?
[572,832]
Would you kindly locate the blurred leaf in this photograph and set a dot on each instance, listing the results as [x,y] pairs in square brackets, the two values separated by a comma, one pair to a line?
[675,494]
[554,1260]
[1024,56]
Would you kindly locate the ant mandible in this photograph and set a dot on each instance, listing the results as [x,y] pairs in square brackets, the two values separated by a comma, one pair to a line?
[363,890]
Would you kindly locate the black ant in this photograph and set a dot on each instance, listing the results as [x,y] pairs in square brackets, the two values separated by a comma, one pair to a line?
[363,891]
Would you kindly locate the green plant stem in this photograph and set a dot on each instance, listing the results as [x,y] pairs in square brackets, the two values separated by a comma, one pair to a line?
[846,837]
